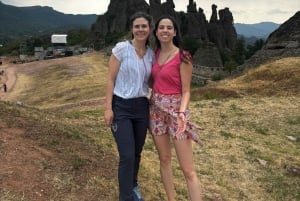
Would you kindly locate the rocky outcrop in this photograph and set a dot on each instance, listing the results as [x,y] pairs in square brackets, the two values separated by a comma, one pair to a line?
[283,42]
[287,36]
[227,24]
[116,19]
[196,23]
[208,56]
[193,24]
[215,31]
[156,9]
[221,31]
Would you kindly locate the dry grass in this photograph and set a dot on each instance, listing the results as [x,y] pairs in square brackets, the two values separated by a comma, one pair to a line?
[241,132]
[247,155]
[277,78]
[61,81]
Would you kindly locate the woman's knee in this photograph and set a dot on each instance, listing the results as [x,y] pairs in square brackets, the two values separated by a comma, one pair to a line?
[189,173]
[165,160]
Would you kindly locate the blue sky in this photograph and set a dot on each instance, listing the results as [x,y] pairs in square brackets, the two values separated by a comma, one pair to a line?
[244,11]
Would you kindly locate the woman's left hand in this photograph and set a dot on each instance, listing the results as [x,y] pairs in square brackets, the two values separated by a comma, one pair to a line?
[181,123]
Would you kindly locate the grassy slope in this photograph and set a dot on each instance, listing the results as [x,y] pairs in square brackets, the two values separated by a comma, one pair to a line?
[61,81]
[240,136]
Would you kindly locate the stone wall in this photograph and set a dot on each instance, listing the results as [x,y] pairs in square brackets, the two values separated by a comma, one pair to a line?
[203,73]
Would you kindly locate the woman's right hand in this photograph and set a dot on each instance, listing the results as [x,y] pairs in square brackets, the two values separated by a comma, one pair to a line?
[181,122]
[108,116]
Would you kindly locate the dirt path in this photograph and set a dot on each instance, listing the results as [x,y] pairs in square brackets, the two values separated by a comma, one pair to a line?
[17,163]
[10,78]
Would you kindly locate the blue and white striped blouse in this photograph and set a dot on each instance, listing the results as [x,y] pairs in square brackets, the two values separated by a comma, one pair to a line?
[134,72]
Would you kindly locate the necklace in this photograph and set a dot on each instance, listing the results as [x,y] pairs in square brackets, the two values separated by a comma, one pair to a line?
[163,61]
[140,52]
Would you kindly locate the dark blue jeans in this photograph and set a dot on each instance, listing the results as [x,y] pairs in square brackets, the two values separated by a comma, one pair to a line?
[130,124]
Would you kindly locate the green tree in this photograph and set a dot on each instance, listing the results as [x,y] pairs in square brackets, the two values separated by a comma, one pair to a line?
[251,49]
[239,51]
[230,65]
[77,37]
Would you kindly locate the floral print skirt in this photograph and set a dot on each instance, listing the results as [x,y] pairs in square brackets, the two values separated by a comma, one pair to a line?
[163,117]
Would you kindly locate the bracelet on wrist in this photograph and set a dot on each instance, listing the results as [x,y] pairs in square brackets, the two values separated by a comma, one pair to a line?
[180,113]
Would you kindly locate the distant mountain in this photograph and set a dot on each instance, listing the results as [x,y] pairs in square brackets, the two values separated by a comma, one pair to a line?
[19,22]
[258,30]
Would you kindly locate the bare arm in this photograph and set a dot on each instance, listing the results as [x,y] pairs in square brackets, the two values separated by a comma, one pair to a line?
[186,76]
[186,70]
[113,65]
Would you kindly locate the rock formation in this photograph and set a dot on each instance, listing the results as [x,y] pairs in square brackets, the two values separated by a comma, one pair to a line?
[196,22]
[286,37]
[283,42]
[230,35]
[157,9]
[222,31]
[116,19]
[193,23]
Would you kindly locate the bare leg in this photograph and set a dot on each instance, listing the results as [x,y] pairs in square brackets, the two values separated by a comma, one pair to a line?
[163,147]
[185,158]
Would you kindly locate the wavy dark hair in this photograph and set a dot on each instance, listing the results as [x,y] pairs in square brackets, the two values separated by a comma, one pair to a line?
[144,15]
[177,40]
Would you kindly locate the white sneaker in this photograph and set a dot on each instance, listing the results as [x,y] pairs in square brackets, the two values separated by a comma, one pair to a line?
[137,194]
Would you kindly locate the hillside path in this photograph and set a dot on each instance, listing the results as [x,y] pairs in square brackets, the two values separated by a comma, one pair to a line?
[10,79]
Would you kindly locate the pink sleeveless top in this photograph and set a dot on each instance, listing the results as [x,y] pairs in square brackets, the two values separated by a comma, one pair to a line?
[166,77]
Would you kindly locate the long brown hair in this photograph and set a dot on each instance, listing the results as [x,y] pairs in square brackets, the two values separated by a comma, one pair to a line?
[177,40]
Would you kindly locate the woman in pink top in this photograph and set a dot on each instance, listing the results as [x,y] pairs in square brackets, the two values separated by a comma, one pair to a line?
[169,114]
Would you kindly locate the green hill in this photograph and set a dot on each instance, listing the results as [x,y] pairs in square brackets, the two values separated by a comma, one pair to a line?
[21,22]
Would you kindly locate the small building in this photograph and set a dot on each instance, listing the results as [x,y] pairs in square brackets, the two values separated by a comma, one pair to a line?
[59,42]
[59,39]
